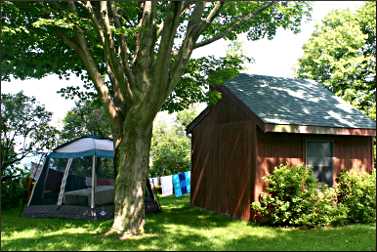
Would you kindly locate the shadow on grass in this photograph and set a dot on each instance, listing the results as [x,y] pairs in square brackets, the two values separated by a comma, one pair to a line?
[178,227]
[180,240]
[66,241]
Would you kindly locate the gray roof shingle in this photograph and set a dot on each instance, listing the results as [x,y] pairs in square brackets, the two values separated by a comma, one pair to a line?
[279,100]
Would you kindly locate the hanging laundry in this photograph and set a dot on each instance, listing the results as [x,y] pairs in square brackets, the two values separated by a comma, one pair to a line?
[166,186]
[151,183]
[177,185]
[188,181]
[182,181]
[156,182]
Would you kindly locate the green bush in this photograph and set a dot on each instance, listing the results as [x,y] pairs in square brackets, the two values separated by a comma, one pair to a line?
[13,193]
[294,198]
[357,192]
[324,208]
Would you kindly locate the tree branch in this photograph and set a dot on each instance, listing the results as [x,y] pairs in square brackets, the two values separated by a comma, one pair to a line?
[81,47]
[184,6]
[184,53]
[166,44]
[113,61]
[93,72]
[124,54]
[15,158]
[214,12]
[145,36]
[88,6]
[234,25]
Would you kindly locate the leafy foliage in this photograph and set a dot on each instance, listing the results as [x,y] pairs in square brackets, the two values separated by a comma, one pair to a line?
[13,191]
[193,87]
[87,118]
[341,54]
[33,28]
[357,192]
[25,130]
[294,198]
[171,148]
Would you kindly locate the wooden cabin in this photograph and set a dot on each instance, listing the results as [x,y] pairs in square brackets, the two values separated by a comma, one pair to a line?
[263,121]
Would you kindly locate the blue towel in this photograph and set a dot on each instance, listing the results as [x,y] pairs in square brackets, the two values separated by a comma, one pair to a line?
[182,179]
[188,181]
[177,185]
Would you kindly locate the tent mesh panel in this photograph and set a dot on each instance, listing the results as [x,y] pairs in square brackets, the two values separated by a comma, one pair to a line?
[77,191]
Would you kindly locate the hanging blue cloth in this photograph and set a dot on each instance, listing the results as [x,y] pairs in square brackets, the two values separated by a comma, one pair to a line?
[177,185]
[188,181]
[182,180]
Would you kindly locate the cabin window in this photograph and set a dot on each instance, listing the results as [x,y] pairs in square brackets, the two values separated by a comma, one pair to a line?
[319,158]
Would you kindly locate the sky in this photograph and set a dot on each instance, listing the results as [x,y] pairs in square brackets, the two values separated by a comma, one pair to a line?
[276,57]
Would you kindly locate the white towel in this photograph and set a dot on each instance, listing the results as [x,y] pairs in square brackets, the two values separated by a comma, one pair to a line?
[156,182]
[166,185]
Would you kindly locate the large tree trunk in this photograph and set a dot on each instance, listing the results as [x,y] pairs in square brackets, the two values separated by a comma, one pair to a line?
[132,163]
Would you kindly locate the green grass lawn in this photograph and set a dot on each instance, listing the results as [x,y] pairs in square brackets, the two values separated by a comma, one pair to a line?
[178,227]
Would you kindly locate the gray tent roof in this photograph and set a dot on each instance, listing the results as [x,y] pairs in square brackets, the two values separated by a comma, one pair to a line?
[279,100]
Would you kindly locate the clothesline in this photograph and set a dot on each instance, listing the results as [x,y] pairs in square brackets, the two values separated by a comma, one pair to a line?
[178,184]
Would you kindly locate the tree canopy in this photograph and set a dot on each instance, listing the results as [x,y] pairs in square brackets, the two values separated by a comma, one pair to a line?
[341,54]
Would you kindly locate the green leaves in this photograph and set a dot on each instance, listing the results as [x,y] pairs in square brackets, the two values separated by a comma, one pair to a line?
[87,118]
[294,197]
[25,130]
[171,148]
[61,23]
[340,55]
[357,192]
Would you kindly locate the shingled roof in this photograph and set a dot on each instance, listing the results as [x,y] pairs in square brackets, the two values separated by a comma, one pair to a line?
[279,100]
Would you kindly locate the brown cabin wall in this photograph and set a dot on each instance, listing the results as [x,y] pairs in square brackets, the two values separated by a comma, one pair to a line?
[274,149]
[277,148]
[223,160]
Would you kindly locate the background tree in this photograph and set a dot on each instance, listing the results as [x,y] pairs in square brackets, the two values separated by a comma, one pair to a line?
[88,117]
[170,149]
[341,54]
[134,52]
[25,131]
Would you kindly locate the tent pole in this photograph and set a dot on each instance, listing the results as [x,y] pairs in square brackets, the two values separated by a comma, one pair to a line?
[36,182]
[92,201]
[64,181]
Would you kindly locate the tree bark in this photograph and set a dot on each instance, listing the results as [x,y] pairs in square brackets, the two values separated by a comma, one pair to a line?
[132,162]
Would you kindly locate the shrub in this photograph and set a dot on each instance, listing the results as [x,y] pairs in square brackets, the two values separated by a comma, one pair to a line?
[357,192]
[294,197]
[324,208]
[13,193]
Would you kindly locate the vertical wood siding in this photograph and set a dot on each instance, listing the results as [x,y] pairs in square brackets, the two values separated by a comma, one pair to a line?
[353,152]
[223,159]
[274,149]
